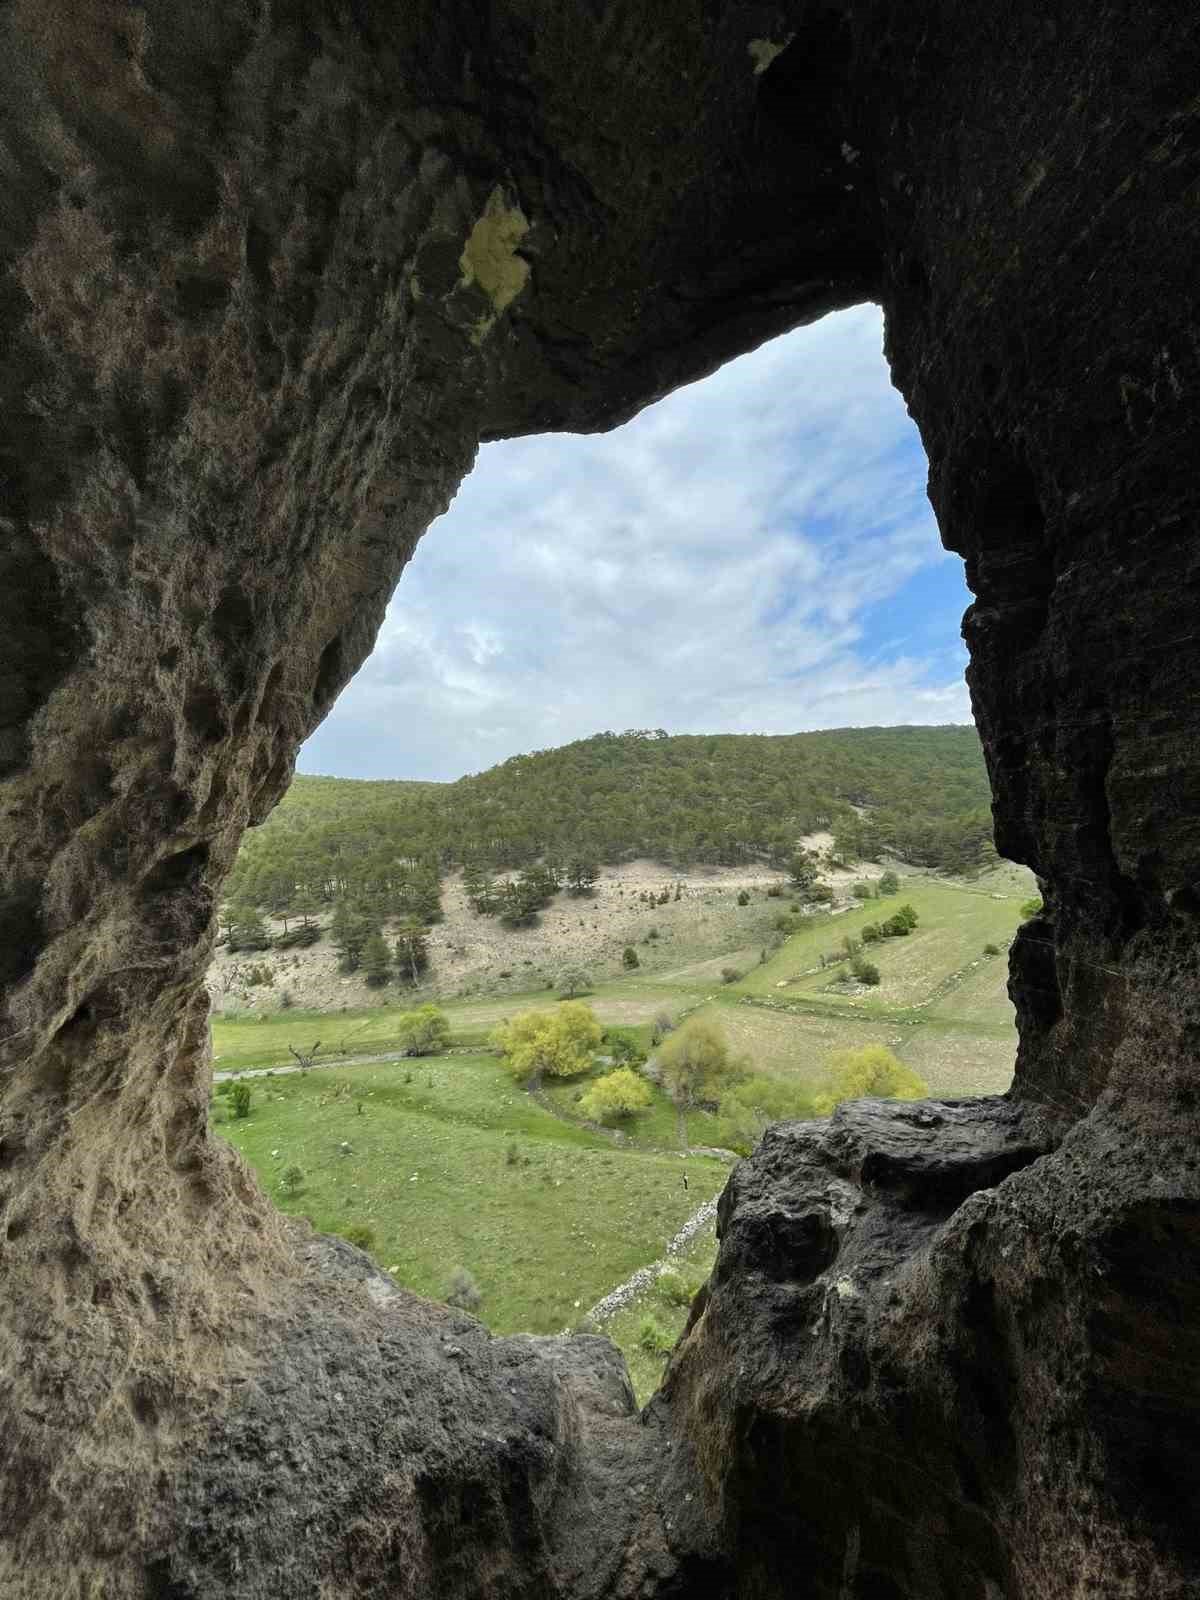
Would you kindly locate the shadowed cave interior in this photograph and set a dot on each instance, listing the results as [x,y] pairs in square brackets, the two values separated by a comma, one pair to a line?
[269,277]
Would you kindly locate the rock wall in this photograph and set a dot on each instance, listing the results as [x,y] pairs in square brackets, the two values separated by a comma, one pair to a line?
[269,275]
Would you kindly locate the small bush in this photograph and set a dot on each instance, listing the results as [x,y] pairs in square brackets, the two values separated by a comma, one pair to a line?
[285,1000]
[990,949]
[730,974]
[630,957]
[660,1027]
[512,1156]
[358,1233]
[239,1098]
[1031,908]
[775,891]
[462,1291]
[782,923]
[865,971]
[863,891]
[744,898]
[677,1286]
[871,933]
[291,1180]
[652,935]
[652,1336]
[889,883]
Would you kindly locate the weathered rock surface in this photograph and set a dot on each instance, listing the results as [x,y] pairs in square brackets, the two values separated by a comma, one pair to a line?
[269,275]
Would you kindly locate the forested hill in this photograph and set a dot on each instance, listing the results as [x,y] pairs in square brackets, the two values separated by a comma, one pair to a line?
[918,793]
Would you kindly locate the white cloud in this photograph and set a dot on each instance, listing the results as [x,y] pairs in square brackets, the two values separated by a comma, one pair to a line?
[711,566]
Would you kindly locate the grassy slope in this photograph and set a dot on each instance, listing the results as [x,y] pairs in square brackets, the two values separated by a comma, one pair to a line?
[579,1212]
[428,1172]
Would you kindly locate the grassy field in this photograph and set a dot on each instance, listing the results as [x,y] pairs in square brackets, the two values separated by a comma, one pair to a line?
[450,1165]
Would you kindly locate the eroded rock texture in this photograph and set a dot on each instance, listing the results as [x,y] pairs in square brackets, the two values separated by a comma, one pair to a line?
[269,275]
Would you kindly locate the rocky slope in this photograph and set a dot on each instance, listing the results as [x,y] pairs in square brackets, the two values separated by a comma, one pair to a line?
[269,275]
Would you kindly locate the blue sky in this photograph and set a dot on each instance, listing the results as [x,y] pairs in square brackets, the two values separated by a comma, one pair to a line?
[753,554]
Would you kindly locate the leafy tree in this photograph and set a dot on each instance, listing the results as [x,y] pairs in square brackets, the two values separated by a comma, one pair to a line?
[573,981]
[423,1032]
[376,960]
[556,1043]
[617,1094]
[624,1051]
[694,1066]
[749,1107]
[412,952]
[239,1099]
[871,1071]
[629,957]
[889,883]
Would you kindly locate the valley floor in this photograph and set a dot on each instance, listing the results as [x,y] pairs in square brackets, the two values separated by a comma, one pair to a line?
[452,1167]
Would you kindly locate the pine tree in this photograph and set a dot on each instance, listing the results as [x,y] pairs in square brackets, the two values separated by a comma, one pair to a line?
[376,960]
[412,952]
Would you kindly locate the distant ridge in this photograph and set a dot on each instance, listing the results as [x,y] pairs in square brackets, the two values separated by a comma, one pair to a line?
[919,793]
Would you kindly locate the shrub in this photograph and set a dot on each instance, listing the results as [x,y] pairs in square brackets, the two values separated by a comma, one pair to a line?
[512,1156]
[239,1098]
[730,974]
[990,949]
[629,957]
[865,971]
[359,1234]
[744,898]
[1031,908]
[870,933]
[462,1291]
[863,891]
[660,1027]
[618,1094]
[889,883]
[423,1032]
[677,1286]
[652,935]
[297,938]
[652,1336]
[782,923]
[775,891]
[285,1000]
[291,1180]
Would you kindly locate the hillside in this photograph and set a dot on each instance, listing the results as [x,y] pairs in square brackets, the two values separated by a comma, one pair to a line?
[919,793]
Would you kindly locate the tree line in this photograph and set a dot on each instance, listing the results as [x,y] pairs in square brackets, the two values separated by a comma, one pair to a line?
[726,799]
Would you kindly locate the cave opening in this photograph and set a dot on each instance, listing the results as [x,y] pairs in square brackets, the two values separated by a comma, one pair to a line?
[752,555]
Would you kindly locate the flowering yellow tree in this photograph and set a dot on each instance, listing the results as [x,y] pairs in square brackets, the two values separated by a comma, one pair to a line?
[871,1072]
[558,1042]
[617,1094]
